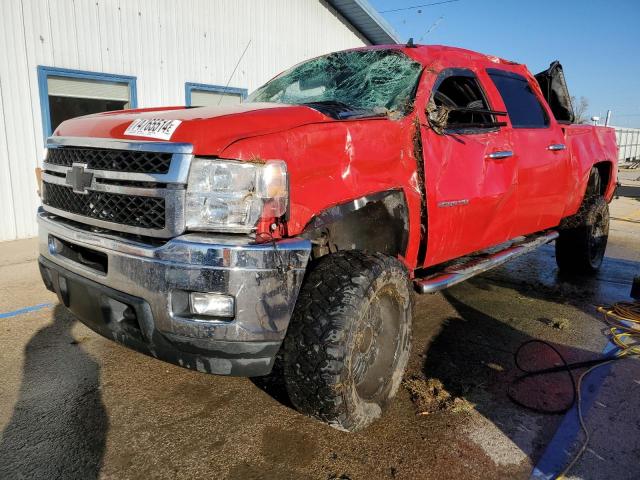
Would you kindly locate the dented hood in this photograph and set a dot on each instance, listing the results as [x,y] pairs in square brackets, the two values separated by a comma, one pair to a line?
[209,129]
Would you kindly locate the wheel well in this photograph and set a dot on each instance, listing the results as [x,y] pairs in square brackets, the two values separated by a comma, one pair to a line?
[373,223]
[604,169]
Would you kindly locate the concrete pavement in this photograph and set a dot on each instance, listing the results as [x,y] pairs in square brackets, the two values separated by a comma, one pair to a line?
[74,405]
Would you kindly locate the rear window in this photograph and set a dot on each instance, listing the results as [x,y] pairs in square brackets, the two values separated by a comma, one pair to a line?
[523,107]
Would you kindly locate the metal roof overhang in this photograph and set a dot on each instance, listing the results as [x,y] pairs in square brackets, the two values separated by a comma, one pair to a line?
[362,15]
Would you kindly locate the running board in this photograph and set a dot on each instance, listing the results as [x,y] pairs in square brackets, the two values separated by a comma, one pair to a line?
[480,263]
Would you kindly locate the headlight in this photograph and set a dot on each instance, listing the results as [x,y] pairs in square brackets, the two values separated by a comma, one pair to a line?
[231,196]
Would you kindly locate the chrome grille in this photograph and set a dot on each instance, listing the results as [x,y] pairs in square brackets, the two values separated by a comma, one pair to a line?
[112,160]
[135,187]
[137,211]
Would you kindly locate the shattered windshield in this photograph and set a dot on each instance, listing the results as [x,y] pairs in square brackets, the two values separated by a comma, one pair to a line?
[352,83]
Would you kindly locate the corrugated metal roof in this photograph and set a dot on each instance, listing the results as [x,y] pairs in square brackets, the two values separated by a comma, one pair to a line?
[362,15]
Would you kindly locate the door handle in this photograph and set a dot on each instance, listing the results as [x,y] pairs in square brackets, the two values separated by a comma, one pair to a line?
[554,147]
[500,155]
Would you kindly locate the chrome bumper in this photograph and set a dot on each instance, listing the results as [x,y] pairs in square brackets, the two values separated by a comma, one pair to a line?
[264,281]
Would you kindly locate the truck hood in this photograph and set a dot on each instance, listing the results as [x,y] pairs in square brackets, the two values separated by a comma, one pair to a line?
[209,129]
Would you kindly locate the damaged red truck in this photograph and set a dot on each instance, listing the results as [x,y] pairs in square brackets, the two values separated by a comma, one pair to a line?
[293,227]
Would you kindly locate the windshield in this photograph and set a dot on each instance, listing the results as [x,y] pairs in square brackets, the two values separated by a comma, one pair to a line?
[374,81]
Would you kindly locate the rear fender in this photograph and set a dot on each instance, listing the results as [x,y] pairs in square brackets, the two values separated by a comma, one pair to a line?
[591,147]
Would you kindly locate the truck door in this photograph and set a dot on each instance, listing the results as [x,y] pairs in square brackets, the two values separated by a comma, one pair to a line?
[469,168]
[540,151]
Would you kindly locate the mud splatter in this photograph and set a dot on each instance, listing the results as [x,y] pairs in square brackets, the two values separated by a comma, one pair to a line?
[429,396]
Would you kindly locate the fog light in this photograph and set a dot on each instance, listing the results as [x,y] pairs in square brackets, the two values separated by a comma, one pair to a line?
[212,304]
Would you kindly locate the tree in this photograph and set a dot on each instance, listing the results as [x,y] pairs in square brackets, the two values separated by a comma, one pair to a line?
[580,109]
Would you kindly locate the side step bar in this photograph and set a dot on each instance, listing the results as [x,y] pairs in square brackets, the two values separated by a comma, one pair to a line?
[480,263]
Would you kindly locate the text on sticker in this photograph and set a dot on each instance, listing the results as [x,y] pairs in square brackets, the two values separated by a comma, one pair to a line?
[152,128]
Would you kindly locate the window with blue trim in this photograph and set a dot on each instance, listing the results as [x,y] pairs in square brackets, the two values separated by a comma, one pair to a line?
[202,95]
[66,94]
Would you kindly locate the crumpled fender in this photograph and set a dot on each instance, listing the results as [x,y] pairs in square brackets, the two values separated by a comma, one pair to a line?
[335,162]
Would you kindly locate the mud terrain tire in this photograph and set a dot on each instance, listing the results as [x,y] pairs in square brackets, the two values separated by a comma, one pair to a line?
[580,249]
[349,338]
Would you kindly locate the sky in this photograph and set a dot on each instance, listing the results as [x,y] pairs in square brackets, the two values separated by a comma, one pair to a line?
[597,41]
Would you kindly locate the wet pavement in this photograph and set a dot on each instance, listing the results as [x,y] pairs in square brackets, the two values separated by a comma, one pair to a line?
[74,405]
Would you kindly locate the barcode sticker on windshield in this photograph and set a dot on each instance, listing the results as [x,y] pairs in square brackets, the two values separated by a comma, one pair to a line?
[152,128]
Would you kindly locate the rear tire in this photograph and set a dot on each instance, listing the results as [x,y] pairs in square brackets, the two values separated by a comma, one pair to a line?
[348,342]
[580,249]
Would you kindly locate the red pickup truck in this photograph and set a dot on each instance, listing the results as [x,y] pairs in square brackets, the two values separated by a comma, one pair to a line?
[295,226]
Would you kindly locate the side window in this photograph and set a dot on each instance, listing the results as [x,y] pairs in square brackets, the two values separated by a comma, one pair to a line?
[458,103]
[523,107]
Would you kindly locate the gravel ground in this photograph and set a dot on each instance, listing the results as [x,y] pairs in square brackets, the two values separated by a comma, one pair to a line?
[74,405]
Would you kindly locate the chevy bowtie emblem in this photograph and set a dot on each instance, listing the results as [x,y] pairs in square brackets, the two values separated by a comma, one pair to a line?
[79,179]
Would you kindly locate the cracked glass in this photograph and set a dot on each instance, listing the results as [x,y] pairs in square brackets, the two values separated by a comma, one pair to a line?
[348,83]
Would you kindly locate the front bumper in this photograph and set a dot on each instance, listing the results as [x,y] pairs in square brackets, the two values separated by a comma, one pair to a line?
[139,300]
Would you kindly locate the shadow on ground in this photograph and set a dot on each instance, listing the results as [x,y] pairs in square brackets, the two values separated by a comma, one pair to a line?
[537,277]
[472,356]
[628,191]
[59,423]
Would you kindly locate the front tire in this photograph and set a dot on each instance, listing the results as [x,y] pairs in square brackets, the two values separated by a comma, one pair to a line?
[581,249]
[349,339]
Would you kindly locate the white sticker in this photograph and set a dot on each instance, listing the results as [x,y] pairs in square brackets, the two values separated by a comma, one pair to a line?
[152,128]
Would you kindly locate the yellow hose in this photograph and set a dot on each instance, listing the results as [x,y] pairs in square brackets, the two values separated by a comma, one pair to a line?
[624,320]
